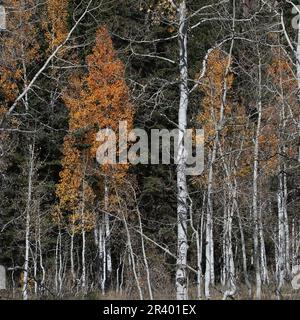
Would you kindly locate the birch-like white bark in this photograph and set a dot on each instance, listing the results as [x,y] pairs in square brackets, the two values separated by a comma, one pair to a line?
[41,253]
[145,256]
[209,252]
[255,188]
[132,259]
[198,246]
[263,256]
[27,223]
[298,81]
[60,266]
[83,234]
[182,192]
[72,257]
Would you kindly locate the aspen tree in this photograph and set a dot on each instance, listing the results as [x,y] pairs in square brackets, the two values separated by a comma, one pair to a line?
[20,50]
[96,101]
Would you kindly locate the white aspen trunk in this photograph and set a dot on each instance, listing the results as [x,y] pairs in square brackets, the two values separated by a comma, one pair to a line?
[263,257]
[118,285]
[122,274]
[182,192]
[132,260]
[229,262]
[228,268]
[231,266]
[104,261]
[209,254]
[232,188]
[244,254]
[106,253]
[98,235]
[108,250]
[255,211]
[56,265]
[256,241]
[42,267]
[41,253]
[294,243]
[83,234]
[34,259]
[60,268]
[101,235]
[199,240]
[286,225]
[72,257]
[145,256]
[298,244]
[281,240]
[224,253]
[27,223]
[102,239]
[243,244]
[83,276]
[283,266]
[298,81]
[36,250]
[199,255]
[276,249]
[199,248]
[212,250]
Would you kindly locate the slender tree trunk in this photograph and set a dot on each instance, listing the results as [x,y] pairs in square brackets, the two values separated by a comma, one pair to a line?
[209,252]
[83,276]
[263,257]
[34,259]
[72,258]
[132,259]
[100,233]
[41,252]
[106,252]
[27,223]
[255,210]
[56,265]
[283,261]
[145,256]
[60,266]
[281,239]
[198,247]
[298,81]
[108,249]
[182,191]
[286,225]
[244,254]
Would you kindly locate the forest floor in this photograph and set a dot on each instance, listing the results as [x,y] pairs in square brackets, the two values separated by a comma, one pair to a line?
[216,294]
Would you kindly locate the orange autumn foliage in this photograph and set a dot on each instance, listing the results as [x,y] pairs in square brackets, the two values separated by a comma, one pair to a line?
[234,119]
[101,99]
[212,88]
[19,47]
[283,81]
[56,21]
[97,100]
[19,51]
